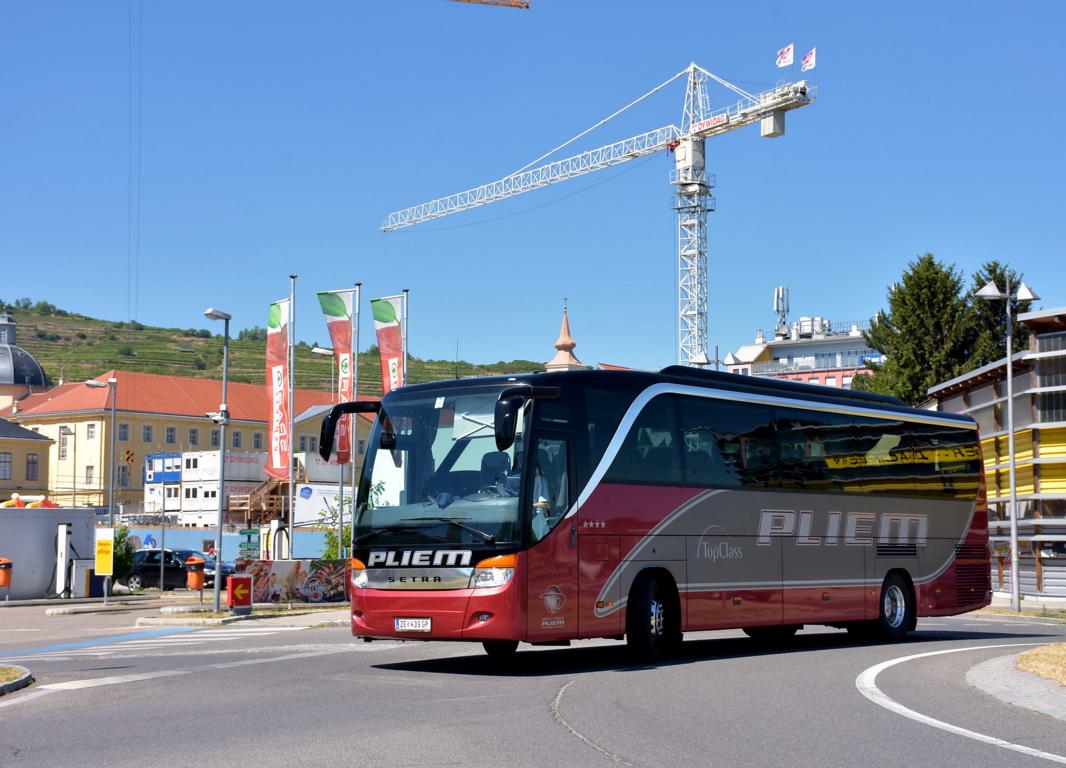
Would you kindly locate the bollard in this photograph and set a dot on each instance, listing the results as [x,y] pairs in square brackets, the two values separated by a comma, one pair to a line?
[5,577]
[194,575]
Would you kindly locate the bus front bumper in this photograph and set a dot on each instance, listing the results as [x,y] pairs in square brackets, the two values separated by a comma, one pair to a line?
[460,614]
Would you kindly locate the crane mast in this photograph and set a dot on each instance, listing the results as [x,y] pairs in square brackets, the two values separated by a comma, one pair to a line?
[692,184]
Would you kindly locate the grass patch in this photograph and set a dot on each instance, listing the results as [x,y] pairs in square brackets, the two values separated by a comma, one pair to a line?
[1040,613]
[1048,661]
[7,674]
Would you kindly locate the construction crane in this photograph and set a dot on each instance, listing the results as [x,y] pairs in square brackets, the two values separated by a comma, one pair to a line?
[692,185]
[504,3]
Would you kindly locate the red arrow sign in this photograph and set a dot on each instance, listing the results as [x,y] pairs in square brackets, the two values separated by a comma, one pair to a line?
[239,591]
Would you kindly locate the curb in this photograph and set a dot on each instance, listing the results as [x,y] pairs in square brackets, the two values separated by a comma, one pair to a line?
[1023,617]
[75,610]
[17,683]
[152,621]
[1001,678]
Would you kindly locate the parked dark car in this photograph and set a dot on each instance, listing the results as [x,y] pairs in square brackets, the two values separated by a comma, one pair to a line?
[145,570]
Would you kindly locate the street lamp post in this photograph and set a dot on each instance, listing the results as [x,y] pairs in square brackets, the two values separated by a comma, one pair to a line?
[991,292]
[66,431]
[223,418]
[112,386]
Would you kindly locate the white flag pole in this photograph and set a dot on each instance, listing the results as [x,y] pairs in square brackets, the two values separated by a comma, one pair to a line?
[292,402]
[406,294]
[355,397]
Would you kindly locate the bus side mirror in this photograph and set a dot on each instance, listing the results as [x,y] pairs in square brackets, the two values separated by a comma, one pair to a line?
[329,423]
[505,420]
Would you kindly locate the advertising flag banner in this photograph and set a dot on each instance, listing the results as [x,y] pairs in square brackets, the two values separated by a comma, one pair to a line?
[388,316]
[337,309]
[808,61]
[784,56]
[277,376]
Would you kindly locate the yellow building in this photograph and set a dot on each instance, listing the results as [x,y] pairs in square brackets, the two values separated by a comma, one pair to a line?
[23,461]
[1039,373]
[153,414]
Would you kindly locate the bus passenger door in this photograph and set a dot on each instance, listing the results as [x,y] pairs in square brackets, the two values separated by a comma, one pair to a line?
[552,562]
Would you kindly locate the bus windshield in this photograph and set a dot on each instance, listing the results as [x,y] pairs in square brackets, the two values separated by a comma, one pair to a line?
[433,473]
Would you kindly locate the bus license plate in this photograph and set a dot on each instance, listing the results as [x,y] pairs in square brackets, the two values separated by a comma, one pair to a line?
[414,625]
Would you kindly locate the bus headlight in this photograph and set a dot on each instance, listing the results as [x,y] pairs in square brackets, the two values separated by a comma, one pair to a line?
[359,577]
[493,572]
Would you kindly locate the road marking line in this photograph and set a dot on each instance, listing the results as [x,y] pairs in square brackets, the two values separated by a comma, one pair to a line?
[866,682]
[96,682]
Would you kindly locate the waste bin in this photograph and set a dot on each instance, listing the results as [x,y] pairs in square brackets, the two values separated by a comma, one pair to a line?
[5,573]
[194,573]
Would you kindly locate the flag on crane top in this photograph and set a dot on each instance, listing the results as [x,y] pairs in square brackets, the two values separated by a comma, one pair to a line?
[388,316]
[337,309]
[808,61]
[277,375]
[784,56]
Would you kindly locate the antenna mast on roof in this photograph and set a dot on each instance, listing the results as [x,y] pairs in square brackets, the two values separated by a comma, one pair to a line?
[781,296]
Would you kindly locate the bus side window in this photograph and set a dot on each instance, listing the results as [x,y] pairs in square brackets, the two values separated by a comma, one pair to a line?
[944,460]
[726,444]
[651,451]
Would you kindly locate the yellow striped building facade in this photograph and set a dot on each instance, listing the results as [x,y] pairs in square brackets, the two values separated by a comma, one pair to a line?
[1039,373]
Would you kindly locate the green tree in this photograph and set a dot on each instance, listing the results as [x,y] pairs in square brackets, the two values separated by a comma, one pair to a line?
[990,318]
[123,553]
[927,334]
[256,333]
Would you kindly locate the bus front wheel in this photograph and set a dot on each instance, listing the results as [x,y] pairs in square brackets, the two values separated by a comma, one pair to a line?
[500,649]
[653,620]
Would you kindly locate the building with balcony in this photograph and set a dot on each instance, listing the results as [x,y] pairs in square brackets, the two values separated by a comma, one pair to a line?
[1039,389]
[812,350]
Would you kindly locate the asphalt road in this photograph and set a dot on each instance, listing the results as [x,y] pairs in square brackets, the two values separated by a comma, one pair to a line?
[266,695]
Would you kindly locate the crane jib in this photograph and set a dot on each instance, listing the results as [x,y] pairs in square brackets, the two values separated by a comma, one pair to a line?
[692,199]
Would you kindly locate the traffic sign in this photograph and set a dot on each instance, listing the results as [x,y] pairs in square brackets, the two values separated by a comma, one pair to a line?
[239,592]
[105,551]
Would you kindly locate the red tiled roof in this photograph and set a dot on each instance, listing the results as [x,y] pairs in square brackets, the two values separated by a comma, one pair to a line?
[31,401]
[609,367]
[169,395]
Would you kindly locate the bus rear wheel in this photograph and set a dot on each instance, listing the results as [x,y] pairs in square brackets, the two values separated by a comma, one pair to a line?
[653,620]
[500,650]
[896,615]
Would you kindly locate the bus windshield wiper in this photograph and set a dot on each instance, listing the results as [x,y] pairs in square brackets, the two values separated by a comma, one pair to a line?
[453,521]
[385,529]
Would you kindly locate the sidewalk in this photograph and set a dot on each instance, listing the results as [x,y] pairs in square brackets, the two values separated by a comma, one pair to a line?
[1030,604]
[1000,677]
[327,617]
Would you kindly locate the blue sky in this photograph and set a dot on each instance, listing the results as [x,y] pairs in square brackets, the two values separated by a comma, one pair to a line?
[276,136]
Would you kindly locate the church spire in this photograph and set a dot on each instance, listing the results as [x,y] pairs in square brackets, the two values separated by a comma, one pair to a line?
[564,359]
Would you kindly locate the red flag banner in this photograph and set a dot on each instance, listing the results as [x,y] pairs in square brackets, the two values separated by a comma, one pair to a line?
[387,319]
[277,376]
[785,55]
[337,309]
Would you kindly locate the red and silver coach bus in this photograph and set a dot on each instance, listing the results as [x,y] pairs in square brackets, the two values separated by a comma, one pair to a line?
[551,507]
